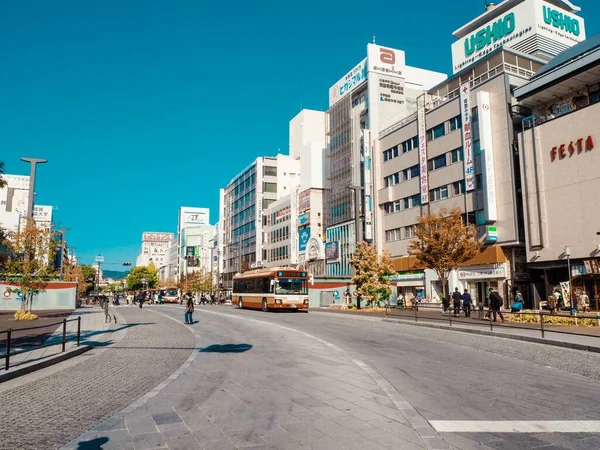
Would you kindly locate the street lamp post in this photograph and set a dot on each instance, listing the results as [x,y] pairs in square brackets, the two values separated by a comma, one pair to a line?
[568,255]
[62,232]
[34,162]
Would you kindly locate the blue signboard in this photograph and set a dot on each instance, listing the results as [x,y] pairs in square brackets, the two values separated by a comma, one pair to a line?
[303,238]
[303,219]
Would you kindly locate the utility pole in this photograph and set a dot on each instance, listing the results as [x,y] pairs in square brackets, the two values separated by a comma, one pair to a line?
[34,162]
[358,233]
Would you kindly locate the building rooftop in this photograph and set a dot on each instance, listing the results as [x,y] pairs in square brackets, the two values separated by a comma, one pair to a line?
[569,72]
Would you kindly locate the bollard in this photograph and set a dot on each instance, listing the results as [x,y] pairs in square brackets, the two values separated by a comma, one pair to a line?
[415,314]
[64,339]
[78,330]
[450,315]
[491,321]
[542,323]
[7,361]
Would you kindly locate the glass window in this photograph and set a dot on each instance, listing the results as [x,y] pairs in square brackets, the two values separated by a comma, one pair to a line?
[395,149]
[415,200]
[286,286]
[477,147]
[458,187]
[437,163]
[480,217]
[397,178]
[457,155]
[414,171]
[409,232]
[269,187]
[436,132]
[396,205]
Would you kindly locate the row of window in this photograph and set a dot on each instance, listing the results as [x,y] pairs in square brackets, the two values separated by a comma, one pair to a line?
[406,146]
[269,171]
[244,201]
[247,228]
[403,204]
[438,162]
[280,234]
[438,131]
[279,253]
[245,214]
[269,187]
[245,182]
[397,234]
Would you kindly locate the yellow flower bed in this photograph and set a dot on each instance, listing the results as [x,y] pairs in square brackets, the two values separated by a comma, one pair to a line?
[25,315]
[550,320]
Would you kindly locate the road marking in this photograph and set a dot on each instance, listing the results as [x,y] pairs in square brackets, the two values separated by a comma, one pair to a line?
[516,426]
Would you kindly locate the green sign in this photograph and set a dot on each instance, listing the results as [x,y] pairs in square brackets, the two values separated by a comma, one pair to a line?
[489,34]
[492,234]
[560,20]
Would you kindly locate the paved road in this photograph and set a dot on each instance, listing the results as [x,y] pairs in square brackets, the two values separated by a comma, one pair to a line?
[309,381]
[247,379]
[40,411]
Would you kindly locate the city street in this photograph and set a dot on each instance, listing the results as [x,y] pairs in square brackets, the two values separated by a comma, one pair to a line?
[305,381]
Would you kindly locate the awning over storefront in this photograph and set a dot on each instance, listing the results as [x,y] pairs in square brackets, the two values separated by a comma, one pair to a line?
[489,255]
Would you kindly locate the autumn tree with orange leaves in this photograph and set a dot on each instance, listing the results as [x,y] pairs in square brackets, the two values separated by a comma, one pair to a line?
[372,273]
[444,242]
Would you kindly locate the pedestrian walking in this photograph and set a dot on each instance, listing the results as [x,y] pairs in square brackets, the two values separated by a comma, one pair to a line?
[456,298]
[106,313]
[467,300]
[584,302]
[189,310]
[495,304]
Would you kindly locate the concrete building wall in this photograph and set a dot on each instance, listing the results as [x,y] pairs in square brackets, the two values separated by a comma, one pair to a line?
[567,187]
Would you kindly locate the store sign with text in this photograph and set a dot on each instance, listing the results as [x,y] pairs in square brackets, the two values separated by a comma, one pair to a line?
[574,147]
[467,137]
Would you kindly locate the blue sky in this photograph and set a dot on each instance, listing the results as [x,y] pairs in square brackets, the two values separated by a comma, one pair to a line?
[143,106]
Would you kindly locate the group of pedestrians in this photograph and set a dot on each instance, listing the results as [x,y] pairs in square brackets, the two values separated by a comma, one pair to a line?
[464,302]
[460,302]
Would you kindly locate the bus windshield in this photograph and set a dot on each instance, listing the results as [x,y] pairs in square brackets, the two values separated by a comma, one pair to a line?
[171,292]
[291,286]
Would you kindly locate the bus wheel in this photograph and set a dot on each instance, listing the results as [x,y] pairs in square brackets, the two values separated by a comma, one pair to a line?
[264,305]
[240,303]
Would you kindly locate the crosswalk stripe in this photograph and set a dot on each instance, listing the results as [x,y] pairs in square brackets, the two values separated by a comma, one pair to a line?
[516,426]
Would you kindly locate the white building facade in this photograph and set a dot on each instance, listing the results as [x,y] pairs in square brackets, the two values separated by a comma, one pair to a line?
[155,248]
[375,94]
[14,199]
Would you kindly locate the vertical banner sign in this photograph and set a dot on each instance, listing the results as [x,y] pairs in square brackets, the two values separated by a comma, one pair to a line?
[487,152]
[259,209]
[422,127]
[367,207]
[467,136]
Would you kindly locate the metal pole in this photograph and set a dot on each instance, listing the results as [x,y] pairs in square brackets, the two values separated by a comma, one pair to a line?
[34,162]
[7,359]
[64,339]
[570,284]
[542,323]
[78,330]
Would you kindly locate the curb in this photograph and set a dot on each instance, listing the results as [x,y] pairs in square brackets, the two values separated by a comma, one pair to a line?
[573,346]
[43,364]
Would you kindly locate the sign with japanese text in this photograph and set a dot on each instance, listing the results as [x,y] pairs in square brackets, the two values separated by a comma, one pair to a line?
[348,83]
[467,137]
[332,251]
[304,200]
[303,238]
[422,131]
[157,237]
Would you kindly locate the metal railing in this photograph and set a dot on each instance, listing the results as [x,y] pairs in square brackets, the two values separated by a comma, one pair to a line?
[63,341]
[483,317]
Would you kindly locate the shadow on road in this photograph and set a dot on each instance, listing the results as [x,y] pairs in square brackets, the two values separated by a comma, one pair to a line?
[94,444]
[226,348]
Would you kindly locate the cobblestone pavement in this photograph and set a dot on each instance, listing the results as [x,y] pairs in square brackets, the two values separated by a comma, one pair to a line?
[256,386]
[49,411]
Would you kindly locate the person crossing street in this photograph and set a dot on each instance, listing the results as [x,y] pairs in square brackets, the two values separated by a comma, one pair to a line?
[189,310]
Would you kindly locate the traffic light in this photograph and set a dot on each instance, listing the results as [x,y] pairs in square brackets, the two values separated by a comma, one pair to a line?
[126,263]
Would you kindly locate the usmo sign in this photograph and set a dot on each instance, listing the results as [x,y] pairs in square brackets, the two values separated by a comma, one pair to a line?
[521,27]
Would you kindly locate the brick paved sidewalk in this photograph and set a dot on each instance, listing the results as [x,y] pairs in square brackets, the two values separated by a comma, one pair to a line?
[51,407]
[94,331]
[255,386]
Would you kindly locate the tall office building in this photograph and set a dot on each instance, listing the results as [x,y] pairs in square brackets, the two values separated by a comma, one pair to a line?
[244,199]
[375,94]
[459,150]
